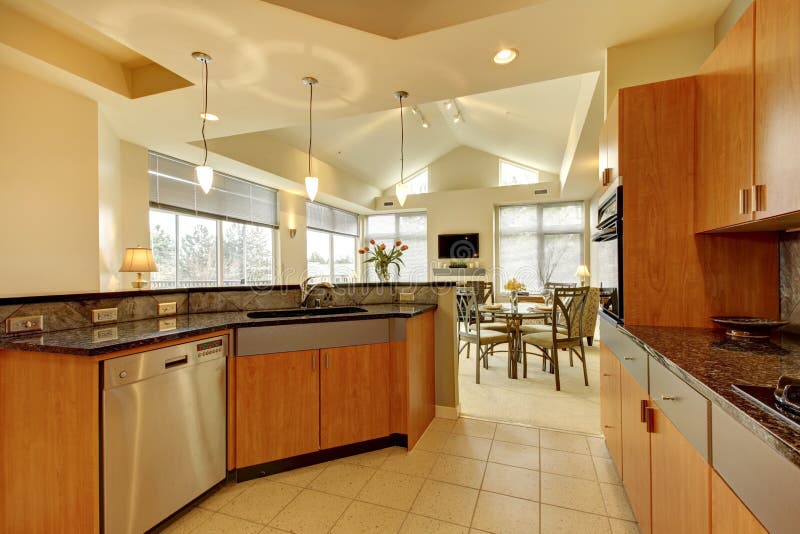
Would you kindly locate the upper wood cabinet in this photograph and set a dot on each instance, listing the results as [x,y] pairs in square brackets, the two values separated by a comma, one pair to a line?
[680,480]
[610,415]
[354,394]
[635,448]
[725,89]
[277,406]
[777,105]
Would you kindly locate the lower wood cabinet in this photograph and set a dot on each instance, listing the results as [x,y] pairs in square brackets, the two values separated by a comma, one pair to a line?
[610,407]
[354,394]
[728,513]
[635,448]
[680,480]
[277,406]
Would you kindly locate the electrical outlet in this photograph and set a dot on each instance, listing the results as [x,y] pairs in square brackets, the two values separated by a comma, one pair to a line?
[406,296]
[167,308]
[104,315]
[29,323]
[109,333]
[167,324]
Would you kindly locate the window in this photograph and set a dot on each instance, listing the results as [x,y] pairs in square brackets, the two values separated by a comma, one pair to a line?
[331,243]
[418,183]
[412,230]
[511,174]
[540,243]
[225,238]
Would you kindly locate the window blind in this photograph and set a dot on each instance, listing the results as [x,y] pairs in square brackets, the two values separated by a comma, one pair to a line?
[328,219]
[173,186]
[412,230]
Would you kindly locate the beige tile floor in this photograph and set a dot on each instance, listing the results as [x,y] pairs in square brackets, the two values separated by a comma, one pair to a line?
[464,476]
[533,401]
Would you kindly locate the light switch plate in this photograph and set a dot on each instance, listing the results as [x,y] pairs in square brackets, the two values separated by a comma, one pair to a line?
[104,315]
[406,296]
[29,323]
[167,308]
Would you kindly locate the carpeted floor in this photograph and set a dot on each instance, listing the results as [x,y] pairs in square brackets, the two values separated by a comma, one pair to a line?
[533,401]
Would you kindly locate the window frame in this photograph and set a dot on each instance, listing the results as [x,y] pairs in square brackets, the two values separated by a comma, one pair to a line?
[416,176]
[219,248]
[502,162]
[331,233]
[540,232]
[396,234]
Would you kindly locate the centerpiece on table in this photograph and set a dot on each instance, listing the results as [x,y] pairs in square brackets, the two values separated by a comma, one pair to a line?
[383,258]
[514,286]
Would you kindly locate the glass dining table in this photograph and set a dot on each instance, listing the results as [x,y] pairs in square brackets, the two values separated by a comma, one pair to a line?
[514,318]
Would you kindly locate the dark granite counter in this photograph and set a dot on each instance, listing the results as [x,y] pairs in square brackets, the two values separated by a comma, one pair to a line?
[710,362]
[113,337]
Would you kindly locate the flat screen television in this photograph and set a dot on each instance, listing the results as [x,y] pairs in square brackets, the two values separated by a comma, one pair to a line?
[458,246]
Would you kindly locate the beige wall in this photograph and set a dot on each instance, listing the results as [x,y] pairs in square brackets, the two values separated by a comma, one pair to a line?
[655,60]
[292,253]
[728,18]
[109,197]
[49,176]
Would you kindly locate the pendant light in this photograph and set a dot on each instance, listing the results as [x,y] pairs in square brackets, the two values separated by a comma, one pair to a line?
[312,182]
[401,189]
[204,173]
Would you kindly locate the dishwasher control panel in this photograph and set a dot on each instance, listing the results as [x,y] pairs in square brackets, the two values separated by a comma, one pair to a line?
[207,349]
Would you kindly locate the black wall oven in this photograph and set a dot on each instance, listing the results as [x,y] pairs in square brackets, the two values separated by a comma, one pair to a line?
[608,251]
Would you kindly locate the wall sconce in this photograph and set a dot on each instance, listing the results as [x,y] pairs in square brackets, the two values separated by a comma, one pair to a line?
[292,233]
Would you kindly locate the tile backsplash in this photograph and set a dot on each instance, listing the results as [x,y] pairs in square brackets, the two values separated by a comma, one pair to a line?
[790,279]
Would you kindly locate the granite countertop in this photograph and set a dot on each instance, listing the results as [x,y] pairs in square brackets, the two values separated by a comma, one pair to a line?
[711,362]
[103,339]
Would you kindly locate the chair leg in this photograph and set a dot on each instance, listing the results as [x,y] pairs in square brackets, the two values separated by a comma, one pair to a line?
[469,345]
[524,362]
[544,360]
[555,366]
[583,360]
[489,349]
[570,358]
[478,365]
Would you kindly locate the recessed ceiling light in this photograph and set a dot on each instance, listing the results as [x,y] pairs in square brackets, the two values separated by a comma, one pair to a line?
[209,116]
[505,56]
[457,117]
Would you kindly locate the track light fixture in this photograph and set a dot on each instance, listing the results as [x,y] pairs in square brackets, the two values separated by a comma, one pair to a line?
[416,111]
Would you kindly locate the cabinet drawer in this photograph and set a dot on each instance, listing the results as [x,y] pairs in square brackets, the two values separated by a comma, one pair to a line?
[632,357]
[764,481]
[686,408]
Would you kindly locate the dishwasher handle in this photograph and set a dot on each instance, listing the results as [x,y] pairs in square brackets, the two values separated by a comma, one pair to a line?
[175,362]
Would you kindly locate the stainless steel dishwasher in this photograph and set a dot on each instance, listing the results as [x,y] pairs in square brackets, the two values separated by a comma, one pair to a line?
[163,432]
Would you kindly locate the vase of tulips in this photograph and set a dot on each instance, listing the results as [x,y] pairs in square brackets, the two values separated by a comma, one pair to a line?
[382,257]
[514,286]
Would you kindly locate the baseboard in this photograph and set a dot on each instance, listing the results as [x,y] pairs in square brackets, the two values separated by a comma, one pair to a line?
[447,412]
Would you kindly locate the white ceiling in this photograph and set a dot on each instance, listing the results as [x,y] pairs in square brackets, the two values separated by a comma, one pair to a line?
[527,124]
[261,51]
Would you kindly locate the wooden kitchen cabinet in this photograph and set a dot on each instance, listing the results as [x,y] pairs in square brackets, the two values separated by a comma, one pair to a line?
[680,480]
[354,394]
[610,408]
[725,102]
[777,107]
[277,401]
[635,448]
[728,513]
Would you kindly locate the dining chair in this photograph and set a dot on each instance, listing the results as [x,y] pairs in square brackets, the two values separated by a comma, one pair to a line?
[565,331]
[470,331]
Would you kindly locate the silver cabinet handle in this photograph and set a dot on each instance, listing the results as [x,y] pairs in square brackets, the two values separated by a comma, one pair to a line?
[667,397]
[758,197]
[327,360]
[628,358]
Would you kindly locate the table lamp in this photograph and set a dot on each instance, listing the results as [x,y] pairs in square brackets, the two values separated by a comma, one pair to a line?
[138,260]
[583,273]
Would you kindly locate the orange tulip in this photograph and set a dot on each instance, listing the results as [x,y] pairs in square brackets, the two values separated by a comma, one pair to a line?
[362,251]
[371,241]
[404,247]
[383,246]
[398,243]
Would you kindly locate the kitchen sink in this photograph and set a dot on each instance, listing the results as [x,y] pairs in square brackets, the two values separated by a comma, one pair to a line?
[304,312]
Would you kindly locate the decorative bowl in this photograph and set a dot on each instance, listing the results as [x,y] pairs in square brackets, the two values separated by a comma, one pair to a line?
[750,327]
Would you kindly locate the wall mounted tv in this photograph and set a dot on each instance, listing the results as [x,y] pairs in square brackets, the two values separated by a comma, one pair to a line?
[458,246]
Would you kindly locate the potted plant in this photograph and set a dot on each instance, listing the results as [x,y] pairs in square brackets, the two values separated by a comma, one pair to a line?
[383,258]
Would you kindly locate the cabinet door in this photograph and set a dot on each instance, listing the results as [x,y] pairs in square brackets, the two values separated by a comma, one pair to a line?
[728,513]
[610,417]
[777,128]
[725,99]
[277,406]
[636,448]
[680,480]
[354,394]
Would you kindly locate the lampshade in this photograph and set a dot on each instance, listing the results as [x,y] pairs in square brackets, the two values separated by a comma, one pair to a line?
[138,260]
[401,191]
[582,272]
[205,177]
[312,186]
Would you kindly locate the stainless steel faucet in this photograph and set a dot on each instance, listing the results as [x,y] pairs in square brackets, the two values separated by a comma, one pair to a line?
[306,290]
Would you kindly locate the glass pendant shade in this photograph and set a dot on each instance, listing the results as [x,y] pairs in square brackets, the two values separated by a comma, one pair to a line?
[401,191]
[312,186]
[205,177]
